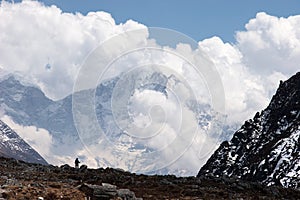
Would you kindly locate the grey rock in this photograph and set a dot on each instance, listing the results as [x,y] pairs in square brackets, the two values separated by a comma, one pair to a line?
[66,167]
[126,194]
[106,191]
[83,168]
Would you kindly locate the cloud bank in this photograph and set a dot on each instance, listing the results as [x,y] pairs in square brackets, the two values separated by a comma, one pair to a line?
[266,52]
[47,47]
[33,36]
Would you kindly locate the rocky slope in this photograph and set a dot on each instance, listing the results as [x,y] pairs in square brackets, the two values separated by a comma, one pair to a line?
[20,180]
[266,148]
[13,146]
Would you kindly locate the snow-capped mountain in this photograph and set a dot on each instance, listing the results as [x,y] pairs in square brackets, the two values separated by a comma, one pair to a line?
[13,146]
[28,106]
[267,147]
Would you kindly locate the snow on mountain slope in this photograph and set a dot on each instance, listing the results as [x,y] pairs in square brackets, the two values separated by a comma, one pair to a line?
[28,106]
[267,147]
[13,146]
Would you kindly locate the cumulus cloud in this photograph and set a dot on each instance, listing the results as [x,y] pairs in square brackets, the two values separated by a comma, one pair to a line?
[160,118]
[271,44]
[239,83]
[33,36]
[48,46]
[266,52]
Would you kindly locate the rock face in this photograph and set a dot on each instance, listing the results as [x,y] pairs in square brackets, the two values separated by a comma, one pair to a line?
[13,146]
[266,148]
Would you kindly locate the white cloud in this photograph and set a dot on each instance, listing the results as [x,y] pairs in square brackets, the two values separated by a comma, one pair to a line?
[271,44]
[155,117]
[238,82]
[33,35]
[251,69]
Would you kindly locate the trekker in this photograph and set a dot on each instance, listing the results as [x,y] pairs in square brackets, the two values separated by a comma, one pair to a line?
[77,163]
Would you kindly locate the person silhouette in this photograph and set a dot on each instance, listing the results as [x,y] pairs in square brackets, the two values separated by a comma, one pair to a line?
[77,163]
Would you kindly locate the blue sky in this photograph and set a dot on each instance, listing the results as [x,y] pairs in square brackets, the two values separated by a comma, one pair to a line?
[198,19]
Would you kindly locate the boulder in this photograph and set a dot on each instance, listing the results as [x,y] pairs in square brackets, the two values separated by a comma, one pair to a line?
[83,168]
[66,167]
[106,191]
[98,191]
[126,194]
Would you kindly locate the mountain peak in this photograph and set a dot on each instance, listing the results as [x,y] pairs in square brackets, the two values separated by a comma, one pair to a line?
[265,148]
[13,146]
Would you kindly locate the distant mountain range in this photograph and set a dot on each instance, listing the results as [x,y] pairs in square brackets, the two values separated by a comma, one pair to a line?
[266,148]
[27,105]
[13,146]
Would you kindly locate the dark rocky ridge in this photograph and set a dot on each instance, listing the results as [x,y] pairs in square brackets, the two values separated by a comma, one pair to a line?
[267,148]
[13,146]
[20,180]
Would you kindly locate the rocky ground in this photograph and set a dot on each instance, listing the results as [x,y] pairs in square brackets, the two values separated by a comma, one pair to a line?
[20,180]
